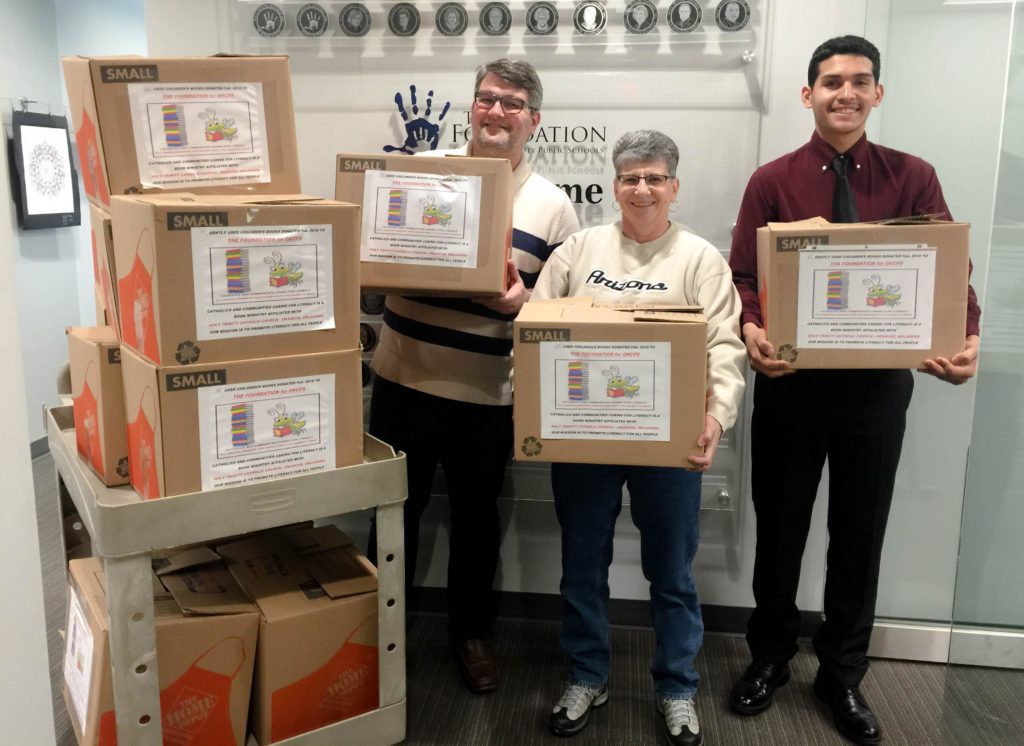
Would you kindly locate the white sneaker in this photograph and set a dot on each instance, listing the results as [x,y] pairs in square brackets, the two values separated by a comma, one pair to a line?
[572,712]
[682,727]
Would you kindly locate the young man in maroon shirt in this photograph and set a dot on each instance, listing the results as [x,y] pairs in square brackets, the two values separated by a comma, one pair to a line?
[855,418]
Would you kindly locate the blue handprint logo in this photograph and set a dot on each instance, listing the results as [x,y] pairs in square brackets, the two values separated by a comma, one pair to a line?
[419,131]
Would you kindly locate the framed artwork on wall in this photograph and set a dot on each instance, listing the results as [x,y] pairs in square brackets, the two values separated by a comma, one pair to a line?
[44,180]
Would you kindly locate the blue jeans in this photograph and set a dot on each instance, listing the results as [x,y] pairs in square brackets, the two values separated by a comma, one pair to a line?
[665,506]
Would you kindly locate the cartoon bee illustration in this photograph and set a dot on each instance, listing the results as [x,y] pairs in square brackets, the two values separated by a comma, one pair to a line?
[218,129]
[435,213]
[281,274]
[620,385]
[287,423]
[882,295]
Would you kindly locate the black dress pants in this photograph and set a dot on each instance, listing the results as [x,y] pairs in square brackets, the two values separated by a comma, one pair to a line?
[855,419]
[472,443]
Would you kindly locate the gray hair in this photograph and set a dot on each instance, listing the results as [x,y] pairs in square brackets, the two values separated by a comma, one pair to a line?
[519,73]
[640,146]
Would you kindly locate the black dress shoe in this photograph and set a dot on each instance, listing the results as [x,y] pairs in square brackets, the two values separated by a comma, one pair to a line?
[477,666]
[753,692]
[850,712]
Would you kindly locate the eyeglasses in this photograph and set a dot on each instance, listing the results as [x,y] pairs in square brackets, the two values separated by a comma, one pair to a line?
[652,180]
[509,104]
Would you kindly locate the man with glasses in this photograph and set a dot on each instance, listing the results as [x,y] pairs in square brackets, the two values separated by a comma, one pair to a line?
[443,392]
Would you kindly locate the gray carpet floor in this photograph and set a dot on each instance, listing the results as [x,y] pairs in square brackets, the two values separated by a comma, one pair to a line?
[918,704]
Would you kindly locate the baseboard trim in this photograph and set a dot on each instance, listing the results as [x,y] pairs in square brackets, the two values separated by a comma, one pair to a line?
[38,448]
[983,646]
[910,641]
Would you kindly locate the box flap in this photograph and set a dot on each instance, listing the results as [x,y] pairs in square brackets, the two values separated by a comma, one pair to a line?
[306,539]
[207,590]
[184,560]
[693,315]
[334,561]
[797,225]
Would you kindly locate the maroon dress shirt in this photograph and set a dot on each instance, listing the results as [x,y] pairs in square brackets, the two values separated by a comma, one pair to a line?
[886,184]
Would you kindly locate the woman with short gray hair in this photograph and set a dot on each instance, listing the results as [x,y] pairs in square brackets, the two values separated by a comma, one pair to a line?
[643,258]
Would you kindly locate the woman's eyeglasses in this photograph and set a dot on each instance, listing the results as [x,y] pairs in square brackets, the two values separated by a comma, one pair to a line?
[652,180]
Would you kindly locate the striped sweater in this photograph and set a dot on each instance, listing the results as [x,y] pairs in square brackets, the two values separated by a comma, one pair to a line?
[458,349]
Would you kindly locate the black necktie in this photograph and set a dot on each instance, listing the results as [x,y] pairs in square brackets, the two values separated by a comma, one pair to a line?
[844,208]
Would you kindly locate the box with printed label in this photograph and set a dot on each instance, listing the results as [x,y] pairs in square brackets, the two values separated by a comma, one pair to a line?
[221,124]
[608,384]
[206,632]
[102,235]
[431,225]
[94,357]
[863,295]
[225,424]
[318,656]
[214,278]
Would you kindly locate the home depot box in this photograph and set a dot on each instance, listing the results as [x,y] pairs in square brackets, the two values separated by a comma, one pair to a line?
[609,385]
[102,234]
[215,124]
[432,225]
[224,424]
[318,661]
[212,278]
[206,632]
[94,357]
[863,295]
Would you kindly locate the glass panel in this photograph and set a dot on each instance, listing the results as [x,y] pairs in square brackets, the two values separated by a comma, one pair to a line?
[959,135]
[988,575]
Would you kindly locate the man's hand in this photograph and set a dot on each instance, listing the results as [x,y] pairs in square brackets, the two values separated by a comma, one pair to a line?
[708,440]
[957,369]
[515,295]
[762,352]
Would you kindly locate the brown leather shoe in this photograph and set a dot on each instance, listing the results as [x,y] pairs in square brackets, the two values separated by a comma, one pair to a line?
[477,666]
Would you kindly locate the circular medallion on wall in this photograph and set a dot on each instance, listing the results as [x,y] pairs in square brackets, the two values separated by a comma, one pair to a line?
[451,19]
[268,20]
[589,18]
[684,16]
[732,15]
[542,18]
[404,19]
[311,20]
[641,17]
[354,19]
[495,19]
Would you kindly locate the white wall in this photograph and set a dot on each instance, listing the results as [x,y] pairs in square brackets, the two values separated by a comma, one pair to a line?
[336,101]
[27,68]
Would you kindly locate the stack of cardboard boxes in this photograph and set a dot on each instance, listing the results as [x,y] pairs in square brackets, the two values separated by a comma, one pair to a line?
[228,352]
[275,634]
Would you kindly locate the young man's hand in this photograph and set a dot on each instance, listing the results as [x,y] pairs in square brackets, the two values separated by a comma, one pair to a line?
[762,352]
[957,369]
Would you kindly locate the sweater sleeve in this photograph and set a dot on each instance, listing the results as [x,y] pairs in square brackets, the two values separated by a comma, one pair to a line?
[726,352]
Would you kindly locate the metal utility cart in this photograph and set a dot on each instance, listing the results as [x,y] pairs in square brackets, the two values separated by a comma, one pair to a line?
[126,529]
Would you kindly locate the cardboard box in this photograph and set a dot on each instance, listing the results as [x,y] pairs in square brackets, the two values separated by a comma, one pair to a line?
[206,632]
[433,226]
[220,124]
[94,357]
[224,424]
[608,385]
[102,233]
[215,278]
[863,295]
[318,656]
